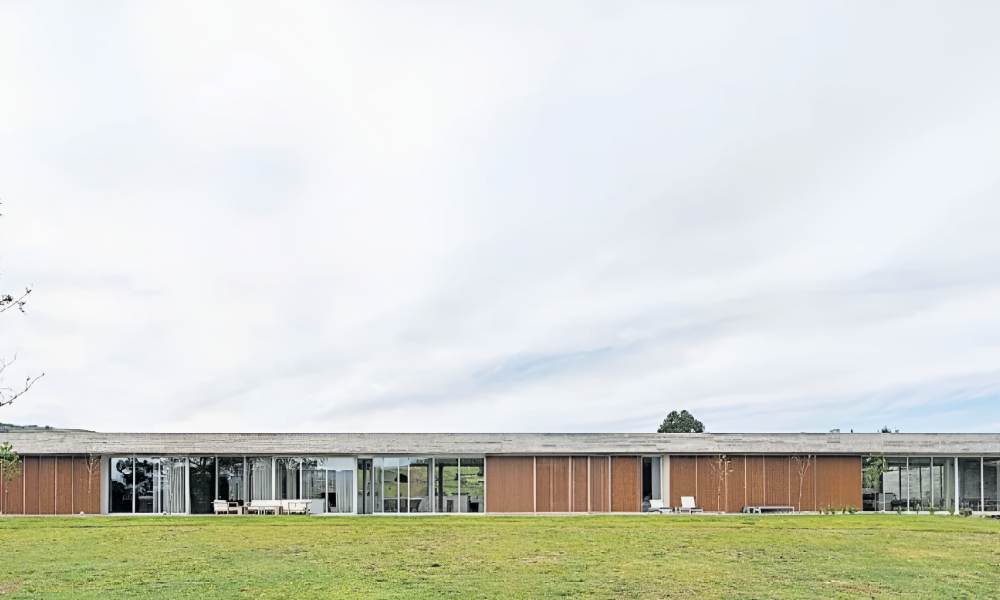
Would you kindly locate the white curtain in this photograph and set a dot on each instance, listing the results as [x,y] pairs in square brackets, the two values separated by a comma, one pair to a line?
[260,478]
[345,491]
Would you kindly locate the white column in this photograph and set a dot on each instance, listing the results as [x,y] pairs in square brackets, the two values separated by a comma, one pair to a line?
[982,486]
[956,485]
[665,479]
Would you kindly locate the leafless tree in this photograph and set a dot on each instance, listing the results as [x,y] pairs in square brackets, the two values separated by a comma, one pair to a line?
[804,462]
[7,393]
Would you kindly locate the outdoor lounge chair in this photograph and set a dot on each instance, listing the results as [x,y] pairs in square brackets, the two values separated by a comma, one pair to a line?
[657,506]
[222,507]
[298,507]
[688,505]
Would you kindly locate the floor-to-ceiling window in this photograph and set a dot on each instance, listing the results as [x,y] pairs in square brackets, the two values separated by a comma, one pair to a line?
[329,483]
[147,485]
[144,478]
[446,483]
[472,485]
[261,478]
[202,484]
[969,483]
[991,483]
[286,473]
[919,482]
[651,489]
[893,494]
[122,485]
[231,483]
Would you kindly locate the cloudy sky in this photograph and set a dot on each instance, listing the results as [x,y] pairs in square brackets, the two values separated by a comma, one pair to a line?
[454,216]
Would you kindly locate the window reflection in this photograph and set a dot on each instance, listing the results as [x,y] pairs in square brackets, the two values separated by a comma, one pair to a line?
[446,480]
[472,485]
[231,482]
[121,485]
[260,478]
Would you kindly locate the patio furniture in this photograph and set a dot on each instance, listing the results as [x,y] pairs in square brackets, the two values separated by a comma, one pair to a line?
[657,507]
[224,507]
[298,507]
[764,510]
[688,505]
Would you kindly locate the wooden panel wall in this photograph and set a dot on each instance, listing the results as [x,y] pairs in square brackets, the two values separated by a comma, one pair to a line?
[776,480]
[64,485]
[47,485]
[86,486]
[12,499]
[736,484]
[29,469]
[838,481]
[711,483]
[754,481]
[803,483]
[600,484]
[510,484]
[683,478]
[53,485]
[626,476]
[580,492]
[552,484]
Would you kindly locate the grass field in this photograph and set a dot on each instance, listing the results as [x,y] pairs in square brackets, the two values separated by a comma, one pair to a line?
[838,556]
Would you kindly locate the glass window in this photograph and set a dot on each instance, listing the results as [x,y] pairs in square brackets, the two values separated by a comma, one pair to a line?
[314,483]
[377,484]
[472,485]
[121,485]
[144,484]
[364,486]
[991,483]
[968,483]
[446,480]
[202,475]
[340,492]
[419,485]
[231,481]
[169,491]
[390,485]
[286,472]
[893,494]
[920,483]
[260,478]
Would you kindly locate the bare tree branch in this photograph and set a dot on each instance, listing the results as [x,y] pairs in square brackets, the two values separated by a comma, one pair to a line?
[8,301]
[7,394]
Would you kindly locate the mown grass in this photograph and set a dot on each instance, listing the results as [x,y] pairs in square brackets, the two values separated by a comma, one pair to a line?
[839,556]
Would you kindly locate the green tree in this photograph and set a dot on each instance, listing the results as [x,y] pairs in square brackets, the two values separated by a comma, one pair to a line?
[10,467]
[681,422]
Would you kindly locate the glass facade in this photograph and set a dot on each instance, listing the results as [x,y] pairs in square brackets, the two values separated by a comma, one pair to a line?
[946,483]
[232,483]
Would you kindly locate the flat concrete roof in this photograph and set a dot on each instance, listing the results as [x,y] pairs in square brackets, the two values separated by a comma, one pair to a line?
[305,444]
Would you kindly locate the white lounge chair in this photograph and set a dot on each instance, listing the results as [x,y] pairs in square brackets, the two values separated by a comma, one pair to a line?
[222,507]
[657,506]
[688,505]
[298,507]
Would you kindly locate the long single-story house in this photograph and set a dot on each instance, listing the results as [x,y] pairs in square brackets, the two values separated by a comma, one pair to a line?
[73,472]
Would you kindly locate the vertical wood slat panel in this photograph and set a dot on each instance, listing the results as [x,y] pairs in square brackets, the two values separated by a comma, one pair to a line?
[46,485]
[510,484]
[707,498]
[682,478]
[776,484]
[625,484]
[754,480]
[29,471]
[552,484]
[736,484]
[803,483]
[579,484]
[838,481]
[86,487]
[64,485]
[600,487]
[13,494]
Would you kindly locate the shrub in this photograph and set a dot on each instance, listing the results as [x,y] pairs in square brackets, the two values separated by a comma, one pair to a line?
[965,512]
[932,509]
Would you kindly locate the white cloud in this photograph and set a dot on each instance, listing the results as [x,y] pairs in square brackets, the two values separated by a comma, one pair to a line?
[443,217]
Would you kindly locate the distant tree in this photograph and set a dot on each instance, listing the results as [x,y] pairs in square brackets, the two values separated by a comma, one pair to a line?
[10,468]
[885,429]
[681,422]
[9,394]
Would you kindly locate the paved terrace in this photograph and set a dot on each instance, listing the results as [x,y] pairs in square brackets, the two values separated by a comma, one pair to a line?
[299,444]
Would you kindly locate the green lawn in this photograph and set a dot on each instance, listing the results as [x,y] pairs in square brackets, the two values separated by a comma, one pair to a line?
[838,556]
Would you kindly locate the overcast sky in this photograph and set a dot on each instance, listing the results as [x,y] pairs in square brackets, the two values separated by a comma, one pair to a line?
[539,216]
